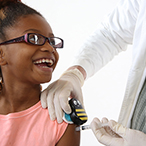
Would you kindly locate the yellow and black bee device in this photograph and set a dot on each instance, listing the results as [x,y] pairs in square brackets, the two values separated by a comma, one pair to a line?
[78,115]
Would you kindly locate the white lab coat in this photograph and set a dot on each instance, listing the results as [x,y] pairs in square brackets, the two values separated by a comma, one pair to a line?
[125,25]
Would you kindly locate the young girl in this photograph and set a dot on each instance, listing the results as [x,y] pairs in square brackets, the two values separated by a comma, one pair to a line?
[28,56]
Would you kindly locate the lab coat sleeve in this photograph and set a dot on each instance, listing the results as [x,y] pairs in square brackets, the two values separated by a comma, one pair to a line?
[111,37]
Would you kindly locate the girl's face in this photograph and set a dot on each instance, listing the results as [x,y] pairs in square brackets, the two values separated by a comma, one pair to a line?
[25,62]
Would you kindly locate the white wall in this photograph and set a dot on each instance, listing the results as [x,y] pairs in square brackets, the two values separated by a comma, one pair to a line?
[73,21]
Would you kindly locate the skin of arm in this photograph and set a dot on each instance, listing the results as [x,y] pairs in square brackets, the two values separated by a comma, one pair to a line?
[70,137]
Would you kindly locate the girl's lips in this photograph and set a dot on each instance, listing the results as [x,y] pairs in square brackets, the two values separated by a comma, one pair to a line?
[44,62]
[44,67]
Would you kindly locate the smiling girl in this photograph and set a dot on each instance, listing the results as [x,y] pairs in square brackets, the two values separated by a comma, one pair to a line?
[28,56]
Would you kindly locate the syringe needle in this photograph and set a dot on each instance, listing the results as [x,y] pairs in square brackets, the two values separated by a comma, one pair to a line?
[85,127]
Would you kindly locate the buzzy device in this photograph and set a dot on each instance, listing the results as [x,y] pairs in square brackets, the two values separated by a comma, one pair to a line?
[78,115]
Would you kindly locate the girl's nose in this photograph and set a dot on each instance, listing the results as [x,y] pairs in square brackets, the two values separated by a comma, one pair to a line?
[47,47]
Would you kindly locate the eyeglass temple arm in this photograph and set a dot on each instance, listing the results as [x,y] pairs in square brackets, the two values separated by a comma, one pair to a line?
[22,38]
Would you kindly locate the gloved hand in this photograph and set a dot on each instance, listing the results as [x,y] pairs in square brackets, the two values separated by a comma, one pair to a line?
[117,135]
[56,95]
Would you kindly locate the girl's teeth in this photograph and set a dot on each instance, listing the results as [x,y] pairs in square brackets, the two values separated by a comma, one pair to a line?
[50,62]
[43,60]
[44,67]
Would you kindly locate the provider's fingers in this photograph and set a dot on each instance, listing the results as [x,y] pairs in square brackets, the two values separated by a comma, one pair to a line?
[101,134]
[47,100]
[61,103]
[96,126]
[51,108]
[64,101]
[104,120]
[58,110]
[118,128]
[44,99]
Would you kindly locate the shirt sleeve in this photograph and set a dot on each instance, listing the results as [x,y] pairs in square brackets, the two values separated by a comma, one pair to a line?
[61,130]
[111,37]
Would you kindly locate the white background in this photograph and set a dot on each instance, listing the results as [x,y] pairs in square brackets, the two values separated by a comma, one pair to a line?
[74,21]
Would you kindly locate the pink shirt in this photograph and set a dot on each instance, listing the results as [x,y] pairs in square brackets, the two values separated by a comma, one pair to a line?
[31,127]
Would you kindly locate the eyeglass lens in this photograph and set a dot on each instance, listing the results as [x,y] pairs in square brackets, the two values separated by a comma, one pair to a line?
[40,40]
[36,39]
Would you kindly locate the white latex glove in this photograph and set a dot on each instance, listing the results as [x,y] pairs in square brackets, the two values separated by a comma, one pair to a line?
[117,135]
[56,95]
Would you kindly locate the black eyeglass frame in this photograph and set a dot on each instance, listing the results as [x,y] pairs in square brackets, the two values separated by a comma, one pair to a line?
[25,38]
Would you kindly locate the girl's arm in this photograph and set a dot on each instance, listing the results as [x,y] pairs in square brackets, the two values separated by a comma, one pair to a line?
[70,137]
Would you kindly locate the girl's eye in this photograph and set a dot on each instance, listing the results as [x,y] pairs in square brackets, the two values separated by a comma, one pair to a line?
[52,41]
[34,39]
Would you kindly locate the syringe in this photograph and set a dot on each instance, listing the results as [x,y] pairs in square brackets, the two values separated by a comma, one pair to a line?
[85,127]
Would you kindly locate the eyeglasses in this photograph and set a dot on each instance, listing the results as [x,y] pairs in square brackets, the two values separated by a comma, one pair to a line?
[37,39]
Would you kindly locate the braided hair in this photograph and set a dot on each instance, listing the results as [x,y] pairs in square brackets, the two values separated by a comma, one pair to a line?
[10,12]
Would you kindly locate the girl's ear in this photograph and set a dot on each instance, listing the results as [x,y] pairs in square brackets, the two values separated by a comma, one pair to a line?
[2,57]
